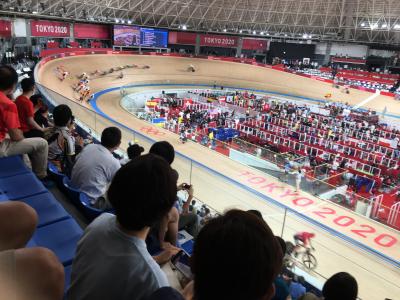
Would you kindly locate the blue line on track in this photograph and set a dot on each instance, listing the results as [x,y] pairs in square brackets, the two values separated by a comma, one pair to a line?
[266,198]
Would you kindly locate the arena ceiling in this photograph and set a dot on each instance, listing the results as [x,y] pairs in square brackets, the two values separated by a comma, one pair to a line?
[370,21]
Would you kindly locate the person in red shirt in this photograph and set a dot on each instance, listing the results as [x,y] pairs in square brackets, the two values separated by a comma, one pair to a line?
[26,110]
[12,141]
[302,239]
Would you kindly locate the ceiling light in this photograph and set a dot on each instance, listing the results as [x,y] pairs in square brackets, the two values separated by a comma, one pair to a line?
[116,20]
[285,34]
[123,21]
[129,22]
[254,32]
[374,26]
[397,26]
[363,24]
[240,31]
[262,32]
[224,29]
[384,26]
[184,27]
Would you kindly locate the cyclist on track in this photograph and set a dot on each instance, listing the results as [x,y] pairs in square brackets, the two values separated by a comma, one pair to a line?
[302,239]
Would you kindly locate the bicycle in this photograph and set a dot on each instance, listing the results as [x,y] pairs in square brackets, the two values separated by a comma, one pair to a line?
[306,258]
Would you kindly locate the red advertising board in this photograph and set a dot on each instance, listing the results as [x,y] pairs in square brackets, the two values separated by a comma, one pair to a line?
[255,44]
[182,38]
[212,40]
[5,28]
[49,28]
[92,31]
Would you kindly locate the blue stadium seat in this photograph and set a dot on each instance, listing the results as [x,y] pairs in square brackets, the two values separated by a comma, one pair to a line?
[21,186]
[47,207]
[87,209]
[3,197]
[12,165]
[60,237]
[67,279]
[72,193]
[55,175]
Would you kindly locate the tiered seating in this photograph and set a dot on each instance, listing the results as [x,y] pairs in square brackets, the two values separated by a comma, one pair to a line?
[78,198]
[56,230]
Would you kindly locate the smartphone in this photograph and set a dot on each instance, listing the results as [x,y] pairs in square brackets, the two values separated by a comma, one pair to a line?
[186,186]
[181,262]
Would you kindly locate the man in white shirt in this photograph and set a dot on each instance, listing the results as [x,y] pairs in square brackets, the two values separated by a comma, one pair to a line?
[95,167]
[112,261]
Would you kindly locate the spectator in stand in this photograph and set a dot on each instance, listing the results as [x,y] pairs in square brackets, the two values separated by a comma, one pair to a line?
[95,167]
[26,110]
[179,217]
[112,261]
[341,286]
[26,273]
[133,151]
[296,286]
[61,142]
[42,114]
[236,256]
[14,143]
[165,150]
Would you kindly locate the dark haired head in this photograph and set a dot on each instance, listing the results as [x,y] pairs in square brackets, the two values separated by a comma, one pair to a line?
[134,151]
[165,150]
[9,78]
[36,99]
[27,85]
[282,243]
[111,137]
[142,192]
[62,114]
[236,256]
[255,212]
[341,286]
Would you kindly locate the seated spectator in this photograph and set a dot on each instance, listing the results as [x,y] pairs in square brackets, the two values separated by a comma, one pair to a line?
[112,261]
[26,110]
[133,151]
[163,149]
[12,140]
[341,286]
[61,142]
[95,167]
[26,273]
[236,256]
[296,287]
[42,114]
[179,217]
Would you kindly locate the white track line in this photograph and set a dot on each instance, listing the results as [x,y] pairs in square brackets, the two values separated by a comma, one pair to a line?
[377,93]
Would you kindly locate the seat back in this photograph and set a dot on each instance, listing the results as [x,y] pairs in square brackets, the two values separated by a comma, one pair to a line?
[72,193]
[89,211]
[56,175]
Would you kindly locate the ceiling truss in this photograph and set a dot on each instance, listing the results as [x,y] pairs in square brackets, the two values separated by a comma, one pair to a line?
[366,21]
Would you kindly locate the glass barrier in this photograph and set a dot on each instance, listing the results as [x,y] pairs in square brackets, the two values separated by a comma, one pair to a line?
[225,194]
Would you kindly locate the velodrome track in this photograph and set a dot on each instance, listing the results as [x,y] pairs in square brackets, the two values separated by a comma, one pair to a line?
[237,185]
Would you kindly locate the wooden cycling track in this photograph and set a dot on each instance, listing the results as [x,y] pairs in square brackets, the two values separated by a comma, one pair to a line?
[338,231]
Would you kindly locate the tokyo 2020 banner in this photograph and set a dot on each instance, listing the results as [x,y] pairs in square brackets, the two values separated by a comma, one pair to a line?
[225,41]
[49,29]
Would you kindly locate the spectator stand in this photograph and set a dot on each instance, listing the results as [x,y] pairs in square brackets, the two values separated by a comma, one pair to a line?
[57,230]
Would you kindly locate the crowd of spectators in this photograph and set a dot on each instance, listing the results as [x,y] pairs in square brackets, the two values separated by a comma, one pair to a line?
[342,79]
